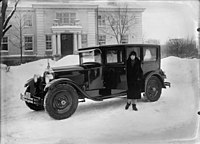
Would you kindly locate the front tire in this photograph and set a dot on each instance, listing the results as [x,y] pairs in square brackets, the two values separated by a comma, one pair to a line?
[153,89]
[61,101]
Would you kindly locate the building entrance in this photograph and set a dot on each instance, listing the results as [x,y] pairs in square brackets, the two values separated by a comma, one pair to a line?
[67,43]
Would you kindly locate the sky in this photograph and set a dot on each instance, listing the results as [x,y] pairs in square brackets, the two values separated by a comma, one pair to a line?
[171,19]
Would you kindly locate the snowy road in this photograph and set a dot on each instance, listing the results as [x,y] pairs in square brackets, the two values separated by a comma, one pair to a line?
[172,119]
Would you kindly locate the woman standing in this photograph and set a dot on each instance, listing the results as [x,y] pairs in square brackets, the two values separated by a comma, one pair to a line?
[134,77]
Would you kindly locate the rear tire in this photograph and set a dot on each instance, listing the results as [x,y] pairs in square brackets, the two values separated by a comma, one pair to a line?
[153,89]
[61,101]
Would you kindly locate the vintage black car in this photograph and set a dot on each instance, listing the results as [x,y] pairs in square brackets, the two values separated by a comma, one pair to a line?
[100,75]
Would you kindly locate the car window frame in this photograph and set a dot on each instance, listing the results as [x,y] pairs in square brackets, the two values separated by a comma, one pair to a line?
[151,47]
[118,57]
[80,52]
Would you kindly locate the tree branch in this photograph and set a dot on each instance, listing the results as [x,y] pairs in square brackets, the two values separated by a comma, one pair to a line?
[15,44]
[10,15]
[16,35]
[124,19]
[107,32]
[6,29]
[119,22]
[113,29]
[3,9]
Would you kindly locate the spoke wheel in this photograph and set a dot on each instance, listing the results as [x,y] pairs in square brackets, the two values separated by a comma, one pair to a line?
[61,102]
[153,89]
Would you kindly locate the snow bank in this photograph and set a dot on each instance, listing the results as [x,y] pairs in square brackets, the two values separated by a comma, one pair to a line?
[172,118]
[181,70]
[3,66]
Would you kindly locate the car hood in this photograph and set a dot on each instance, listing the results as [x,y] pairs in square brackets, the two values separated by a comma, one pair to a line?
[67,68]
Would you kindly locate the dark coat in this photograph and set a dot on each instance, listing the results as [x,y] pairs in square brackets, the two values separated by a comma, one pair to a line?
[134,77]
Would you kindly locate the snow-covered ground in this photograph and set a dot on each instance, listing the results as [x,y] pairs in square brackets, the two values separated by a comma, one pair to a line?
[172,119]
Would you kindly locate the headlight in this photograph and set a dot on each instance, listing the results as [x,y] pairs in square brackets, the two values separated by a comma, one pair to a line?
[35,77]
[48,75]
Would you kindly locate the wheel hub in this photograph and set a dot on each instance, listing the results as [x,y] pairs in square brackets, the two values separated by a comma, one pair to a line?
[63,102]
[154,89]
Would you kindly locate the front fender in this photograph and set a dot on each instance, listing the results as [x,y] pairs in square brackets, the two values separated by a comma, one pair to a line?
[29,82]
[55,82]
[30,87]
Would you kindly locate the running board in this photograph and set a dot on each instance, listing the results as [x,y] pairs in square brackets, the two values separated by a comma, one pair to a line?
[111,96]
[82,100]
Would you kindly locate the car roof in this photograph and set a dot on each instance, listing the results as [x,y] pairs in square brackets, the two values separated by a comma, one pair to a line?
[117,45]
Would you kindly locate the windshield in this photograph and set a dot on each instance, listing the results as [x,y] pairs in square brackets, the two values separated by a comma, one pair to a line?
[90,56]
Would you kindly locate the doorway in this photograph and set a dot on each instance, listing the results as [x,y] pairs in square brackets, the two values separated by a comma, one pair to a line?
[67,44]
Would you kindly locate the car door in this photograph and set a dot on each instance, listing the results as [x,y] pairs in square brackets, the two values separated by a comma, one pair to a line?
[114,70]
[92,62]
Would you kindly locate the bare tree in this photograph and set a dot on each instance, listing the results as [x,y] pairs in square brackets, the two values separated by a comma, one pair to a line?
[18,29]
[182,47]
[4,27]
[118,22]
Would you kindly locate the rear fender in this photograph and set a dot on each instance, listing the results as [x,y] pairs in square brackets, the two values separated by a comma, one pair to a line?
[157,74]
[56,82]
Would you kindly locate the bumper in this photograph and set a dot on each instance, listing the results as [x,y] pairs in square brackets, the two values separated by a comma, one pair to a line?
[167,84]
[27,98]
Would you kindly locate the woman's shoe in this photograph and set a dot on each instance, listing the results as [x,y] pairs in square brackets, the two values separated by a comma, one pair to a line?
[134,107]
[127,106]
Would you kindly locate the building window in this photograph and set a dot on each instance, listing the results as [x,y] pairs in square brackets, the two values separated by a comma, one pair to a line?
[48,42]
[66,18]
[102,39]
[4,44]
[28,43]
[101,20]
[27,20]
[124,39]
[84,40]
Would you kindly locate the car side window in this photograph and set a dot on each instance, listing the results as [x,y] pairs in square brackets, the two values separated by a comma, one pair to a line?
[149,54]
[114,56]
